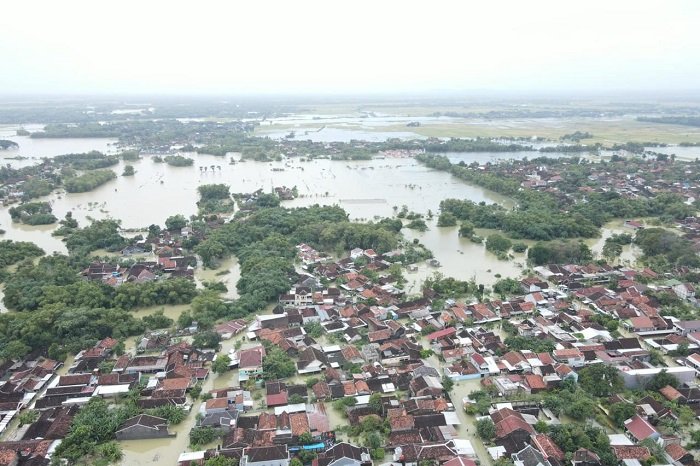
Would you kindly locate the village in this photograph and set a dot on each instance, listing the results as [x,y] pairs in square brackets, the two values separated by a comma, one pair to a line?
[346,369]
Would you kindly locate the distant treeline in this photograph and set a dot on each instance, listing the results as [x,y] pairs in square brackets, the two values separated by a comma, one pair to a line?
[673,120]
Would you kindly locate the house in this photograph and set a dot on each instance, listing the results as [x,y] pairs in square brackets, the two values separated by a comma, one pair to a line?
[571,356]
[250,362]
[678,454]
[529,456]
[638,429]
[228,329]
[344,454]
[311,361]
[276,455]
[684,327]
[143,426]
[585,457]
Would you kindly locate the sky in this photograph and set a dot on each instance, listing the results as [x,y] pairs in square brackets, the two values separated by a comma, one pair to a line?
[331,46]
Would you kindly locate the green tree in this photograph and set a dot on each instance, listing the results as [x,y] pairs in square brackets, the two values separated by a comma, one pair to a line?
[498,243]
[485,429]
[277,364]
[224,461]
[660,380]
[620,412]
[306,438]
[447,383]
[601,380]
[221,364]
[175,222]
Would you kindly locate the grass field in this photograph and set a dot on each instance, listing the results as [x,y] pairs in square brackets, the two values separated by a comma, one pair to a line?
[606,132]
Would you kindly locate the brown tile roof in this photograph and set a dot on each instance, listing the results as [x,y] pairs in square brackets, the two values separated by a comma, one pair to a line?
[299,423]
[670,393]
[675,451]
[631,452]
[174,384]
[401,423]
[547,447]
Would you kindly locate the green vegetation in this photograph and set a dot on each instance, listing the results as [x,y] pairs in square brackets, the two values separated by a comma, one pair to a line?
[178,161]
[663,249]
[673,120]
[559,252]
[221,364]
[485,429]
[88,161]
[518,343]
[33,188]
[277,364]
[7,144]
[571,437]
[214,199]
[128,170]
[600,380]
[498,244]
[12,252]
[157,320]
[100,234]
[88,181]
[33,213]
[200,436]
[541,215]
[92,431]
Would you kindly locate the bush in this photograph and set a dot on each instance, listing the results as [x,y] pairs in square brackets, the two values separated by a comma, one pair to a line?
[497,243]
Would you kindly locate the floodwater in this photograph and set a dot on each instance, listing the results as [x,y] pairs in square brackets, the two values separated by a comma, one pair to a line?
[365,189]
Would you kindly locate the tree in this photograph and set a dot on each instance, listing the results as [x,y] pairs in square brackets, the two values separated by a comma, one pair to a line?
[208,339]
[296,462]
[314,329]
[498,243]
[446,219]
[486,429]
[175,222]
[200,436]
[28,416]
[600,380]
[660,380]
[306,438]
[375,403]
[221,364]
[225,461]
[128,170]
[611,250]
[466,229]
[277,364]
[541,426]
[620,412]
[447,383]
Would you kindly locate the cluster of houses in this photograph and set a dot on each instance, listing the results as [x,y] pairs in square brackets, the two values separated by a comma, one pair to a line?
[376,347]
[56,393]
[648,180]
[362,338]
[141,272]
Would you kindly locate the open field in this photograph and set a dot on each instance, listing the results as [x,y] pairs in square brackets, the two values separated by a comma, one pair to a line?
[606,131]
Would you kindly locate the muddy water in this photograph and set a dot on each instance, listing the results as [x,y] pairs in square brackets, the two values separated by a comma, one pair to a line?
[459,257]
[228,272]
[630,253]
[366,189]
